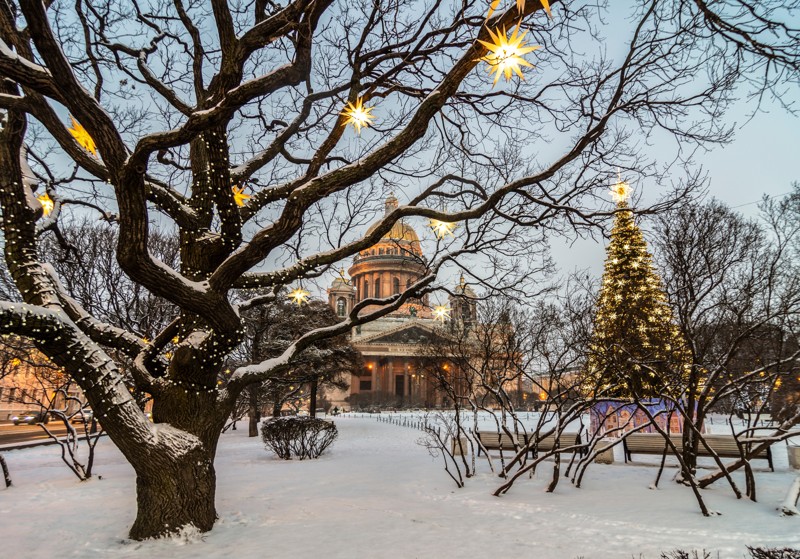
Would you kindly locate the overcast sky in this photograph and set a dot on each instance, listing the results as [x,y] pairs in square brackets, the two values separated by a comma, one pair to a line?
[763,159]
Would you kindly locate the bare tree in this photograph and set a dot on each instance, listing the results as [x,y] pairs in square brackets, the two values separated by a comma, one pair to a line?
[735,289]
[185,102]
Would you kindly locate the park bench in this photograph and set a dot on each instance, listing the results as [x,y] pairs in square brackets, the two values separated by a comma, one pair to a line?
[653,443]
[501,441]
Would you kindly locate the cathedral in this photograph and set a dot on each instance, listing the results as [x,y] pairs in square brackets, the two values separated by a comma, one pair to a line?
[391,344]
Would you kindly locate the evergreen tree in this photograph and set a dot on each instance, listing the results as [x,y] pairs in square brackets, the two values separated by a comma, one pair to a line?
[636,349]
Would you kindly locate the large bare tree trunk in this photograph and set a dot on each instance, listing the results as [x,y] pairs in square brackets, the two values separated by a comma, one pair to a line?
[173,493]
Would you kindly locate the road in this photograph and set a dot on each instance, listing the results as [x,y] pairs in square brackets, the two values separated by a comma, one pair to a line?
[14,434]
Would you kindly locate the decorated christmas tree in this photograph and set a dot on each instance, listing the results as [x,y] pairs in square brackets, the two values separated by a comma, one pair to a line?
[636,349]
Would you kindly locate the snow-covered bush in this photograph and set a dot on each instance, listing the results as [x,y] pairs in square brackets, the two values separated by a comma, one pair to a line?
[300,437]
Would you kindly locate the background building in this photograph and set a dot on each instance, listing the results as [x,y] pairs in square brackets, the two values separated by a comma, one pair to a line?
[391,345]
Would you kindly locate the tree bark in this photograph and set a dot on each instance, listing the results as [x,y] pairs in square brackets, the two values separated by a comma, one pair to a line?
[313,400]
[6,475]
[174,493]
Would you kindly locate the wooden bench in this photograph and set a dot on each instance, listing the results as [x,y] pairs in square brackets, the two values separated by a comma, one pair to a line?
[501,441]
[653,443]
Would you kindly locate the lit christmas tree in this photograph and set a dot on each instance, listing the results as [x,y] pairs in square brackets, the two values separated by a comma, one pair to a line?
[636,348]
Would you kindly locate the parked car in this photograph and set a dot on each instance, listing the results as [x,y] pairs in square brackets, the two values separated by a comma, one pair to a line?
[30,418]
[83,416]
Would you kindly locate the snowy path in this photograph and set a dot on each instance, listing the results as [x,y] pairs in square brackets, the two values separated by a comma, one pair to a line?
[379,495]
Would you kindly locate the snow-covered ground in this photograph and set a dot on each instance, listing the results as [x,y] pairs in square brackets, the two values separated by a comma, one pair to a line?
[377,493]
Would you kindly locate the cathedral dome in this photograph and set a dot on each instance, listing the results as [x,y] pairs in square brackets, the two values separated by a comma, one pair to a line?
[400,231]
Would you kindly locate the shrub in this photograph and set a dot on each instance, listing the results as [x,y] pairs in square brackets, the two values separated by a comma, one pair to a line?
[300,437]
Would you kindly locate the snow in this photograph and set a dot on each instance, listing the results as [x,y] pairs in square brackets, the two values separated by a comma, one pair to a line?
[376,493]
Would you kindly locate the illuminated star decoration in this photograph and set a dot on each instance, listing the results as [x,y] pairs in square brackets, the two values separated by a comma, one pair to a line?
[520,7]
[82,136]
[357,115]
[442,228]
[239,196]
[299,295]
[505,53]
[441,312]
[46,202]
[621,191]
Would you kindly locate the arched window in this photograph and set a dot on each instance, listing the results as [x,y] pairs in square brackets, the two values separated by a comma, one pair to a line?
[380,251]
[396,286]
[377,287]
[366,289]
[341,306]
[408,283]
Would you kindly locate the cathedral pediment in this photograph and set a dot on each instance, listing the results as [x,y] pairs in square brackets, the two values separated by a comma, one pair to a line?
[412,334]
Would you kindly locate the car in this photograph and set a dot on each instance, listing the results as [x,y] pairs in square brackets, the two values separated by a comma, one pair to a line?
[30,418]
[83,416]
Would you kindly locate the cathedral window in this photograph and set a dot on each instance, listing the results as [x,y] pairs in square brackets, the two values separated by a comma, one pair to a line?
[396,286]
[341,306]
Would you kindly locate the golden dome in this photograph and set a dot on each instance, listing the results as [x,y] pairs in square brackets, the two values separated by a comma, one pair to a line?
[400,231]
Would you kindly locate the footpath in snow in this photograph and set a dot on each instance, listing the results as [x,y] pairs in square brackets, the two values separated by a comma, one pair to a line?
[376,494]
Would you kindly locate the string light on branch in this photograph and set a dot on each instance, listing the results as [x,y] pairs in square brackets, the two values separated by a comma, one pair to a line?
[442,228]
[46,202]
[82,136]
[505,53]
[358,115]
[441,313]
[299,295]
[239,196]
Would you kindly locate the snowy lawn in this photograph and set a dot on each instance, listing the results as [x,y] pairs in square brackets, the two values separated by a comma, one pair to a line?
[378,494]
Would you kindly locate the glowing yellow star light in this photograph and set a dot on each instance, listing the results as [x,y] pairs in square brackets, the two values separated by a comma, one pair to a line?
[299,295]
[82,136]
[239,196]
[621,191]
[358,115]
[442,228]
[505,53]
[46,202]
[441,312]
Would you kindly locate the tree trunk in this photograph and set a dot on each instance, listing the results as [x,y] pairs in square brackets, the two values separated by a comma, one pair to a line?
[313,401]
[253,411]
[6,475]
[174,493]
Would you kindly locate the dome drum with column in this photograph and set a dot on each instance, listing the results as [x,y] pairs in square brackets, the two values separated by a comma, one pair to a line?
[388,267]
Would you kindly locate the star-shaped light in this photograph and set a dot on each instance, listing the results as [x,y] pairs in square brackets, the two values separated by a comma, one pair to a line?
[505,53]
[46,202]
[239,196]
[441,312]
[621,191]
[299,295]
[442,228]
[82,136]
[358,115]
[520,7]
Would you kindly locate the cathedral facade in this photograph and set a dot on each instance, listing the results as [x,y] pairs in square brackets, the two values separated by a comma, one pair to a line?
[391,346]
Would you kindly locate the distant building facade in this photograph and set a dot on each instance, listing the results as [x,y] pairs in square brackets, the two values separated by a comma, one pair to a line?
[391,345]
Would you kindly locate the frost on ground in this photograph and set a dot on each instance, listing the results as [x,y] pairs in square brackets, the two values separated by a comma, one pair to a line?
[376,493]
